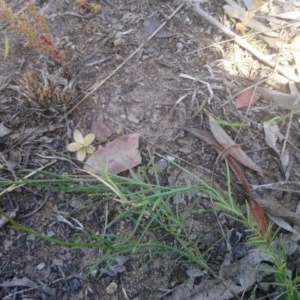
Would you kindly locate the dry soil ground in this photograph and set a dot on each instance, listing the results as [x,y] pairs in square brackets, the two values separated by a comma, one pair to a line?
[147,95]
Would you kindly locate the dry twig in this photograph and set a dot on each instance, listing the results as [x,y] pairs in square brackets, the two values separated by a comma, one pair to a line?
[285,71]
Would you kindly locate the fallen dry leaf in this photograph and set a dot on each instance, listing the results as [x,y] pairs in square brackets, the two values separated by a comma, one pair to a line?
[276,210]
[229,145]
[290,15]
[4,130]
[246,98]
[102,131]
[117,156]
[236,153]
[282,224]
[272,135]
[255,207]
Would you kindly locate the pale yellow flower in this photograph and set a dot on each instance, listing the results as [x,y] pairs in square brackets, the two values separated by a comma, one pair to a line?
[82,145]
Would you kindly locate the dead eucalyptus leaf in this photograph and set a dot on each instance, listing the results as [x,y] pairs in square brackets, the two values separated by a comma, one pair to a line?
[290,15]
[276,210]
[229,145]
[256,209]
[246,98]
[117,156]
[282,223]
[272,135]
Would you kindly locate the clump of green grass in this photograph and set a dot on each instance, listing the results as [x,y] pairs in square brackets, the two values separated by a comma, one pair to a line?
[158,226]
[287,286]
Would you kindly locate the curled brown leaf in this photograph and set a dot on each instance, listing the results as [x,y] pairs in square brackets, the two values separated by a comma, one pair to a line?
[229,145]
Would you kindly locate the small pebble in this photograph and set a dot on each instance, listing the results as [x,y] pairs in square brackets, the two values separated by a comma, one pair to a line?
[187,20]
[50,233]
[128,70]
[111,288]
[240,251]
[58,262]
[7,244]
[103,99]
[41,266]
[145,57]
[74,285]
[179,47]
[161,164]
[29,257]
[94,273]
[76,203]
[69,45]
[132,118]
[193,236]
[118,42]
[31,238]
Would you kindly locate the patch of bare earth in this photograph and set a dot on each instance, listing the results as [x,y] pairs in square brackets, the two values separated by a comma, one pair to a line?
[148,95]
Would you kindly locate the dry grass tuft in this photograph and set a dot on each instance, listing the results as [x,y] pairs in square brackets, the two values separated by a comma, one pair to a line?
[45,94]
